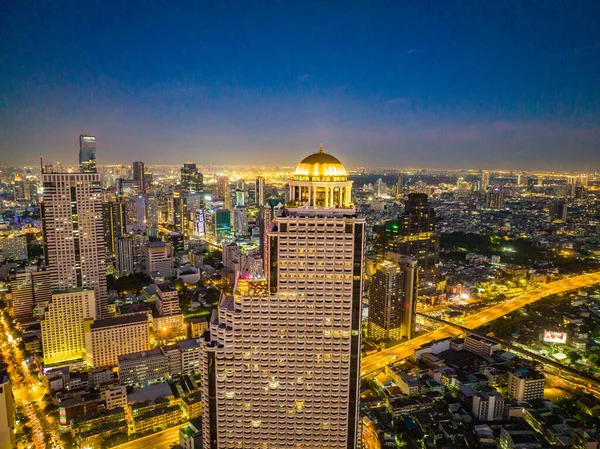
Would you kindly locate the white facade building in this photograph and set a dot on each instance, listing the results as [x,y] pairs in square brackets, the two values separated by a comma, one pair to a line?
[73,228]
[281,366]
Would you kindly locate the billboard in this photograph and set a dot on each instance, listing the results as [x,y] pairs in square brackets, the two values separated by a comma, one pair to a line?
[555,337]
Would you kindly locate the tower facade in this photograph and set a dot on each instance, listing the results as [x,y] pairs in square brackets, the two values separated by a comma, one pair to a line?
[281,366]
[73,229]
[392,299]
[63,334]
[138,175]
[414,235]
[114,215]
[259,191]
[191,179]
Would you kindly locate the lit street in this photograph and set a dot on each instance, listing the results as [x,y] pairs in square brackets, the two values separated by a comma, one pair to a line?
[160,440]
[404,350]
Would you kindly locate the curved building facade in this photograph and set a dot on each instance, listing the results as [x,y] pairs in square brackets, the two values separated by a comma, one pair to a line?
[281,367]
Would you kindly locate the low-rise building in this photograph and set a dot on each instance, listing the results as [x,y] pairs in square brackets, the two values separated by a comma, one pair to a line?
[107,339]
[116,397]
[143,368]
[480,345]
[157,418]
[488,407]
[526,384]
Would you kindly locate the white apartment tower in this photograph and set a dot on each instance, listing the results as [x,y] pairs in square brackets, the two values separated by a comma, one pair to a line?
[281,366]
[74,232]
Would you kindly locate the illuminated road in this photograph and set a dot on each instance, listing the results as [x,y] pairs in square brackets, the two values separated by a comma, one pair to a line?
[404,350]
[160,440]
[28,392]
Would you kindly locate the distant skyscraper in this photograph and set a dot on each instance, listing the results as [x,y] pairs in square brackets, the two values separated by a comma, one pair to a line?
[222,223]
[494,199]
[485,180]
[413,234]
[19,188]
[558,211]
[393,299]
[223,191]
[72,223]
[293,381]
[148,181]
[399,184]
[583,180]
[138,175]
[191,179]
[180,213]
[114,215]
[139,201]
[87,153]
[259,191]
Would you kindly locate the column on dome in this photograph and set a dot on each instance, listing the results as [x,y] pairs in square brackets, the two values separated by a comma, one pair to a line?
[326,196]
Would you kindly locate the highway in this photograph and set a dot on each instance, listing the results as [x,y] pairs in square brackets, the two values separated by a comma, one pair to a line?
[160,440]
[374,362]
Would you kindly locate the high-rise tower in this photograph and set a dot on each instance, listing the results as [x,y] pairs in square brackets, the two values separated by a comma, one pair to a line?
[87,153]
[73,229]
[138,175]
[393,299]
[414,235]
[192,180]
[259,191]
[281,366]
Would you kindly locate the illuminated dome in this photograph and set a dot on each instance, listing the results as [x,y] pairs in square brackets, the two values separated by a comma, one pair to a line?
[322,166]
[320,182]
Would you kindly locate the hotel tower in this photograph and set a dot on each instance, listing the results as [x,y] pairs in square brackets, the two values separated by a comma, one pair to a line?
[281,366]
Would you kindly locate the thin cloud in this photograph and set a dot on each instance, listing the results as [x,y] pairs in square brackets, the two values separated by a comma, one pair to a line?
[303,77]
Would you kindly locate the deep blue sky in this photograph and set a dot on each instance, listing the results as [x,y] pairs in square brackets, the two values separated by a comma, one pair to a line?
[420,83]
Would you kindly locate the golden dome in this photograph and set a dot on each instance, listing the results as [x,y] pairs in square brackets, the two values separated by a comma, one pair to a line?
[321,165]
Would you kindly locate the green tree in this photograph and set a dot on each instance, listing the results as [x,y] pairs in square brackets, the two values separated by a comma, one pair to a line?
[573,356]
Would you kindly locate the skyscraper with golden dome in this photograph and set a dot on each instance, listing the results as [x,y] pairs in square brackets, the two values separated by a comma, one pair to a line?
[281,368]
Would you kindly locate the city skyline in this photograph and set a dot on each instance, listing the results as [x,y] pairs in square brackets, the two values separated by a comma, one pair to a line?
[504,86]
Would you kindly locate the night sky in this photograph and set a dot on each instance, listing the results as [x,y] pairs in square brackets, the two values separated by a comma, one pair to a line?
[477,84]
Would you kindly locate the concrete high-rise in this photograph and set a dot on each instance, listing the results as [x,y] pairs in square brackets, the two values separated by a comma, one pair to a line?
[114,215]
[485,180]
[30,288]
[494,199]
[73,230]
[281,366]
[87,153]
[558,211]
[138,175]
[414,235]
[63,335]
[259,191]
[393,299]
[124,255]
[192,180]
[223,190]
[159,258]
